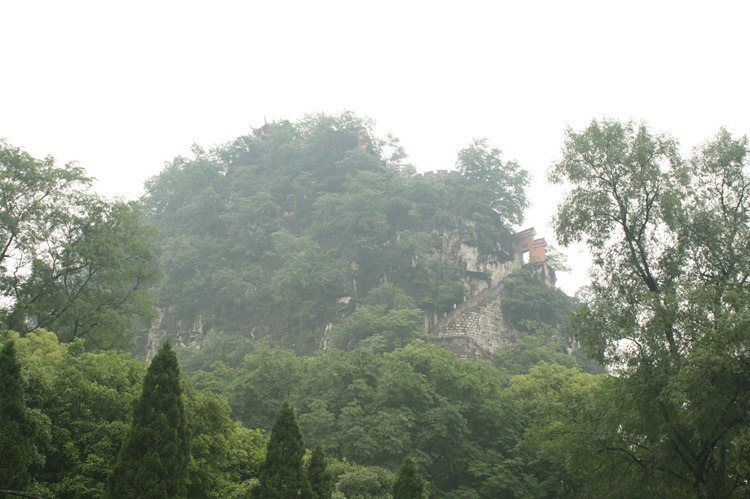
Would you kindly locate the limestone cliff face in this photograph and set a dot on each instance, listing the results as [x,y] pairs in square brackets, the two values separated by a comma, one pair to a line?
[481,271]
[180,333]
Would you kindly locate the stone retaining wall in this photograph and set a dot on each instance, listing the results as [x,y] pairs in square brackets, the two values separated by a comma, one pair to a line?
[476,327]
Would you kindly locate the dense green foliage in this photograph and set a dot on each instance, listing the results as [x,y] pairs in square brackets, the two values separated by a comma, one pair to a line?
[386,319]
[153,461]
[15,441]
[225,456]
[70,261]
[500,185]
[321,480]
[539,315]
[373,408]
[364,481]
[80,407]
[282,475]
[273,233]
[462,418]
[669,304]
[409,482]
[80,404]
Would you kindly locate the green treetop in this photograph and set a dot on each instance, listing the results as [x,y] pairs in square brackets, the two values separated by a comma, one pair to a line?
[282,475]
[15,446]
[70,261]
[154,457]
[410,483]
[669,305]
[320,476]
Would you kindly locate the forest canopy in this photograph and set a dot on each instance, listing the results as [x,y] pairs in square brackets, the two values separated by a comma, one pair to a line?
[295,267]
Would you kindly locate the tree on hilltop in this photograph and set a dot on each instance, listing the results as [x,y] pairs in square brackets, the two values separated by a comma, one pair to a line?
[501,184]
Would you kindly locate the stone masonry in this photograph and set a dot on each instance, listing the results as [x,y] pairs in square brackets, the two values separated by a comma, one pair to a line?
[476,327]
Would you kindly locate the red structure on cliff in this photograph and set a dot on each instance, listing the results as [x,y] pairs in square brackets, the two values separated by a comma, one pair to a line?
[531,250]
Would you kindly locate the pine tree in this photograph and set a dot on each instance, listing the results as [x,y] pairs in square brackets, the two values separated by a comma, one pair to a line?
[15,425]
[282,475]
[154,457]
[410,483]
[320,476]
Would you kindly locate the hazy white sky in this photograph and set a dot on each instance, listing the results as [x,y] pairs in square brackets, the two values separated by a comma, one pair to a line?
[122,87]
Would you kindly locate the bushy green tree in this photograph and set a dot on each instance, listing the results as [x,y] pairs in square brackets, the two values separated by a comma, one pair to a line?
[224,454]
[36,196]
[366,481]
[153,461]
[91,283]
[410,483]
[500,184]
[319,475]
[70,261]
[387,319]
[563,415]
[669,304]
[80,404]
[15,424]
[282,475]
[89,404]
[257,390]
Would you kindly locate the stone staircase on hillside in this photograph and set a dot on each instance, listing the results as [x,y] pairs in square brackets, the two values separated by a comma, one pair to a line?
[476,327]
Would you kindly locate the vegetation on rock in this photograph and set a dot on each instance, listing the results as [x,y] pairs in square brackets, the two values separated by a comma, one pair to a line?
[275,233]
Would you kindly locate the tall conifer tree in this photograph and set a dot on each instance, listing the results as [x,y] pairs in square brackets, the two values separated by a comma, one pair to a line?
[154,457]
[410,483]
[282,475]
[15,425]
[320,476]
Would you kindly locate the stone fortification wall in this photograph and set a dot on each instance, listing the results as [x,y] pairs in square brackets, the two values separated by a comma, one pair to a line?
[476,327]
